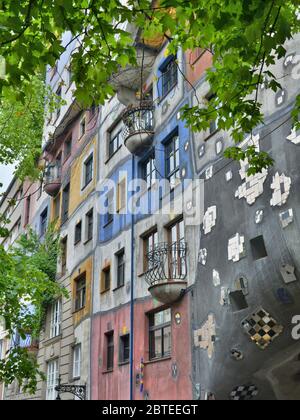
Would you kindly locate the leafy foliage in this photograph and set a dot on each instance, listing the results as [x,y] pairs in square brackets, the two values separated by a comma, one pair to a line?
[244,37]
[27,274]
[21,125]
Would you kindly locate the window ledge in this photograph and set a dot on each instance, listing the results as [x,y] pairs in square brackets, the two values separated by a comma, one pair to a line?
[104,291]
[86,185]
[111,156]
[105,372]
[75,311]
[87,241]
[161,359]
[211,135]
[107,224]
[118,287]
[123,363]
[162,98]
[53,340]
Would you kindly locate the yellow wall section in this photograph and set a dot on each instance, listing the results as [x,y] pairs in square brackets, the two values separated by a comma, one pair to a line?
[76,195]
[87,268]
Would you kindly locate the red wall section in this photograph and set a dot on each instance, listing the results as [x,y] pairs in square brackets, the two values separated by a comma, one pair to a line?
[194,70]
[158,380]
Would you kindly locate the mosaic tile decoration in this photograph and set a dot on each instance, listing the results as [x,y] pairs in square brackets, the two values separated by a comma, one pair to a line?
[281,186]
[202,258]
[209,173]
[205,337]
[244,393]
[253,187]
[236,248]
[286,218]
[294,137]
[262,328]
[209,220]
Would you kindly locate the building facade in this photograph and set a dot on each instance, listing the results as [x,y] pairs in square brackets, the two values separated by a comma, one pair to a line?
[184,289]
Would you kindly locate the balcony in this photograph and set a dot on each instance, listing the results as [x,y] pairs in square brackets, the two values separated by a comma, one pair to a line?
[139,128]
[167,272]
[52,179]
[129,78]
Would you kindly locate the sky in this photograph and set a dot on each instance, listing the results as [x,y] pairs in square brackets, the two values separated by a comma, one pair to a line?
[6,175]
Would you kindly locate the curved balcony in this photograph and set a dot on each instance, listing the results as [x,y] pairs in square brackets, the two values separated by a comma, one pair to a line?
[167,271]
[139,128]
[52,181]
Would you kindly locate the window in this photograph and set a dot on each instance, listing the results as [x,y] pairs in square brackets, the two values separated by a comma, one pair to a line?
[68,147]
[58,100]
[82,127]
[1,349]
[149,172]
[169,76]
[121,195]
[53,70]
[43,222]
[160,334]
[77,235]
[56,205]
[76,361]
[80,294]
[105,280]
[65,203]
[150,241]
[69,75]
[238,300]
[89,225]
[258,248]
[55,324]
[124,348]
[88,170]
[115,139]
[109,215]
[27,211]
[64,243]
[213,125]
[15,231]
[120,268]
[40,190]
[110,350]
[52,380]
[177,264]
[172,160]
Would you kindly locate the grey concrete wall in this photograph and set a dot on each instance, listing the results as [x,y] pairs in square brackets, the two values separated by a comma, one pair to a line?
[274,371]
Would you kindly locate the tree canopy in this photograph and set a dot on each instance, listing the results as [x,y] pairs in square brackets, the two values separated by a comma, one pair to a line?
[27,285]
[244,37]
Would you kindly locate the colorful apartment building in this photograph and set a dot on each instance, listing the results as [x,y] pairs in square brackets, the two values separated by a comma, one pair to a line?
[167,301]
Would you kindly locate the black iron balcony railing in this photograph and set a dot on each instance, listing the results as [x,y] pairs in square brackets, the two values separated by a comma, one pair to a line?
[139,127]
[167,263]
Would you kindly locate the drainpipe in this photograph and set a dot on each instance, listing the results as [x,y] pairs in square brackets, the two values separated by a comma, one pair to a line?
[131,355]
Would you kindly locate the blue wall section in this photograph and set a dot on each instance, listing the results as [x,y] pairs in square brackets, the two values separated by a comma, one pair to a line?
[149,202]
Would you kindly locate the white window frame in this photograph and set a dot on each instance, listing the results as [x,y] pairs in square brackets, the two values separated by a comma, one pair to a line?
[1,349]
[52,379]
[76,361]
[55,323]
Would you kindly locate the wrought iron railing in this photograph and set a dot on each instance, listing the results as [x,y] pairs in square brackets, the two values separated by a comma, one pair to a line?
[138,119]
[167,262]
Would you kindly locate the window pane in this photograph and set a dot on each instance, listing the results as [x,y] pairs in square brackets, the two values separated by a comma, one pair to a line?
[167,341]
[156,344]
